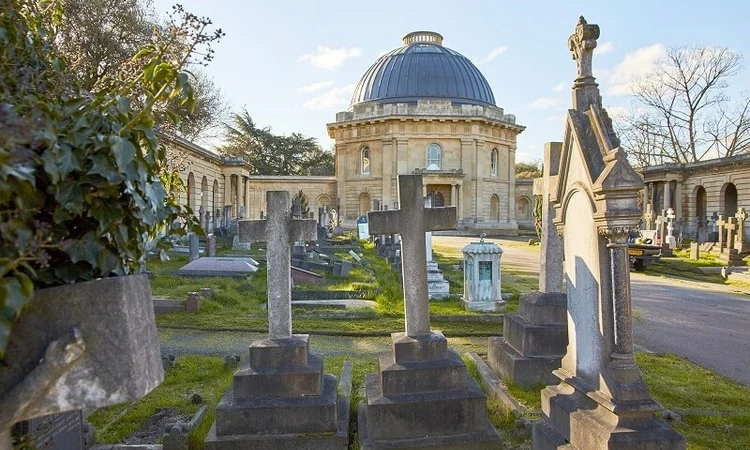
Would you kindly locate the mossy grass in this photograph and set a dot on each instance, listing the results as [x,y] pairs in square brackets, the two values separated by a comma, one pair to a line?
[201,375]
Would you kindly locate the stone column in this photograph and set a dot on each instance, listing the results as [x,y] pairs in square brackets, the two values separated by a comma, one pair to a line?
[620,273]
[512,187]
[453,195]
[341,178]
[387,171]
[467,164]
[667,195]
[478,183]
[402,149]
[646,197]
[460,203]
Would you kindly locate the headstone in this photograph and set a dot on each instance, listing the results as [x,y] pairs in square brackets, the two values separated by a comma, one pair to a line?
[342,269]
[201,215]
[355,256]
[729,253]
[296,209]
[226,216]
[193,302]
[207,222]
[194,244]
[714,236]
[423,394]
[62,431]
[671,241]
[601,402]
[482,286]
[535,338]
[241,214]
[741,217]
[280,398]
[694,251]
[210,245]
[363,229]
[720,222]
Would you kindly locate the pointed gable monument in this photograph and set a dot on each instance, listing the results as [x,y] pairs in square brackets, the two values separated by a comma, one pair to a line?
[423,397]
[602,402]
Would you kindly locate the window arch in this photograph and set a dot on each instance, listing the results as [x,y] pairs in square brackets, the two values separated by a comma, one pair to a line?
[493,163]
[434,157]
[365,161]
[495,207]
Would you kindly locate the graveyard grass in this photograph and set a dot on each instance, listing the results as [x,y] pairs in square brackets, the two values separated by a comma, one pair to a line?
[682,266]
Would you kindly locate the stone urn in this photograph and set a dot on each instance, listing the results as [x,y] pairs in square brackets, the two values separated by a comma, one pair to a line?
[83,345]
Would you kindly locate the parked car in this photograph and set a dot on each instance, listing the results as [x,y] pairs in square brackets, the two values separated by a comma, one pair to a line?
[643,249]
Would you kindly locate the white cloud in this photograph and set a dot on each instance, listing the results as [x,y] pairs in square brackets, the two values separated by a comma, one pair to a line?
[558,119]
[544,103]
[332,98]
[617,112]
[312,87]
[604,47]
[560,86]
[636,64]
[330,58]
[494,53]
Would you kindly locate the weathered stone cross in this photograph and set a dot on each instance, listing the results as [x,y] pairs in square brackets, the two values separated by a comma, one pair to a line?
[720,223]
[411,222]
[278,230]
[670,222]
[741,218]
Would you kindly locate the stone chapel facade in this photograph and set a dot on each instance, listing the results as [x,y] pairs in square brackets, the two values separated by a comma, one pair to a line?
[421,108]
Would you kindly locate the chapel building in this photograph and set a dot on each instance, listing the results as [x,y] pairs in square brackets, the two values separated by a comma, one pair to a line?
[424,108]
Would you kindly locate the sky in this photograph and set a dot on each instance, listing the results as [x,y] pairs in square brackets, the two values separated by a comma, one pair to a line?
[293,64]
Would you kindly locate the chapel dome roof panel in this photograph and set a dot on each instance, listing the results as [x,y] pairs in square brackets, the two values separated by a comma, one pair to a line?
[423,69]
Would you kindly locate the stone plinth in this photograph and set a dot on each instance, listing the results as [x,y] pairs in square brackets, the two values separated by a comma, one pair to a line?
[424,397]
[437,286]
[534,341]
[280,399]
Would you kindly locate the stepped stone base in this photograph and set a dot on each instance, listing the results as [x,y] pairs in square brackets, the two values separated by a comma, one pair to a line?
[571,420]
[281,399]
[423,397]
[732,257]
[526,372]
[534,341]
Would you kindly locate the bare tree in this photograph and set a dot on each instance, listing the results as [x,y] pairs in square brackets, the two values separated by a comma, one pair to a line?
[682,113]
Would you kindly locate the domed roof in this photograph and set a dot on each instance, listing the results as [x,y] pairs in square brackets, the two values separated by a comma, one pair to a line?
[423,69]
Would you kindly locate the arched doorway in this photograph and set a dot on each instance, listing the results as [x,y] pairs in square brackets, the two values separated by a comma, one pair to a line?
[495,208]
[729,200]
[522,208]
[364,203]
[436,199]
[701,204]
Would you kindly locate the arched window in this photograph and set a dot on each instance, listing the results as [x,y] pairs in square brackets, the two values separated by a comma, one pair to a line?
[493,162]
[434,157]
[495,207]
[728,200]
[522,208]
[365,161]
[364,203]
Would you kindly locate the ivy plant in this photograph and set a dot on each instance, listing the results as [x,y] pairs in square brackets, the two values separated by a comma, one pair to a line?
[83,183]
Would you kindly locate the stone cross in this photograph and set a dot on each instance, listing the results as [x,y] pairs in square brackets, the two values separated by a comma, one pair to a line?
[428,235]
[731,227]
[649,217]
[720,222]
[670,222]
[279,231]
[411,222]
[661,224]
[741,217]
[582,44]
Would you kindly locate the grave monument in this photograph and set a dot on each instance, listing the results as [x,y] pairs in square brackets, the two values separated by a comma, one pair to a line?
[482,290]
[437,286]
[535,338]
[280,398]
[423,396]
[601,402]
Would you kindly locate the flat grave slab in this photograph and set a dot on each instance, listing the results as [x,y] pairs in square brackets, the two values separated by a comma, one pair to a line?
[219,266]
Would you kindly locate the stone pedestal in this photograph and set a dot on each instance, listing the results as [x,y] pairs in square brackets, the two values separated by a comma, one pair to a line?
[482,286]
[423,397]
[437,286]
[731,257]
[534,341]
[280,399]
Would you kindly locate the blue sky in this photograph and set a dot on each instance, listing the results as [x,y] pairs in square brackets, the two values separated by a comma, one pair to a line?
[294,64]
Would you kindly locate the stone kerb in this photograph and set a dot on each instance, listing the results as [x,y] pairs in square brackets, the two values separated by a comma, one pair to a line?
[602,401]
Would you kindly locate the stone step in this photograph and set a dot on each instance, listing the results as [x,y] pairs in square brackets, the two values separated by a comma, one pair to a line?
[428,376]
[544,307]
[526,372]
[286,382]
[532,340]
[438,413]
[279,415]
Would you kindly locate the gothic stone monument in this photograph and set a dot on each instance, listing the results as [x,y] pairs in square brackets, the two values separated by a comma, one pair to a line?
[280,398]
[534,339]
[601,402]
[423,396]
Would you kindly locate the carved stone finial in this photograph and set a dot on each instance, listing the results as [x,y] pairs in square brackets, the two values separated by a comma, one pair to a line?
[582,44]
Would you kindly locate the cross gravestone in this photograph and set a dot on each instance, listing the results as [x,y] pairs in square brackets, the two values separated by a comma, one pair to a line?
[194,247]
[720,222]
[601,402]
[670,229]
[649,217]
[280,398]
[535,338]
[661,223]
[210,245]
[741,217]
[729,253]
[423,395]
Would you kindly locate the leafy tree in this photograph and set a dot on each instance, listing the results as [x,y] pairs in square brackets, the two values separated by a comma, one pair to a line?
[301,198]
[682,113]
[270,154]
[99,38]
[525,170]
